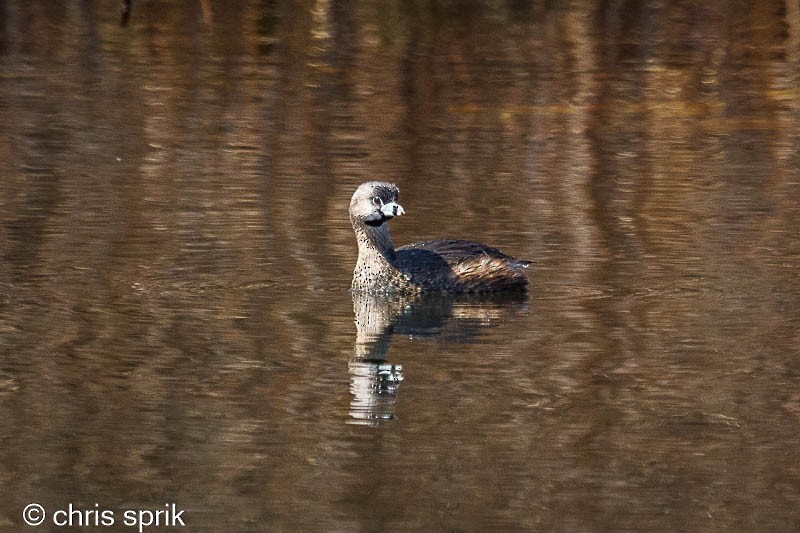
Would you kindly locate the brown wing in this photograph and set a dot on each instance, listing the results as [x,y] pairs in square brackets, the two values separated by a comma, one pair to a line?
[452,264]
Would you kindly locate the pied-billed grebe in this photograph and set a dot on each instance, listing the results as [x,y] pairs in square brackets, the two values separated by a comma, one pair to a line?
[442,265]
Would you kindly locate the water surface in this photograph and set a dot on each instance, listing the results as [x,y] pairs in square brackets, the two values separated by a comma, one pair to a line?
[175,318]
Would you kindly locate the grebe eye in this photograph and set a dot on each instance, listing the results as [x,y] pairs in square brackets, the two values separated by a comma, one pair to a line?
[377,202]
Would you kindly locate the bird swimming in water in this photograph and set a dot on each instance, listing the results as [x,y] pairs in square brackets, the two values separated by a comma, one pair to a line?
[445,265]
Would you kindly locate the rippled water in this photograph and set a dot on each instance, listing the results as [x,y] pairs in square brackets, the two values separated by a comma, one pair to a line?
[176,255]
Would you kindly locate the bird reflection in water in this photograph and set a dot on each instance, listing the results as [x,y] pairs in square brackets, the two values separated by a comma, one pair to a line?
[374,381]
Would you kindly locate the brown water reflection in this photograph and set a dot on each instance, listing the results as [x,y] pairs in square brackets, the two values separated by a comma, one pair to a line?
[176,255]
